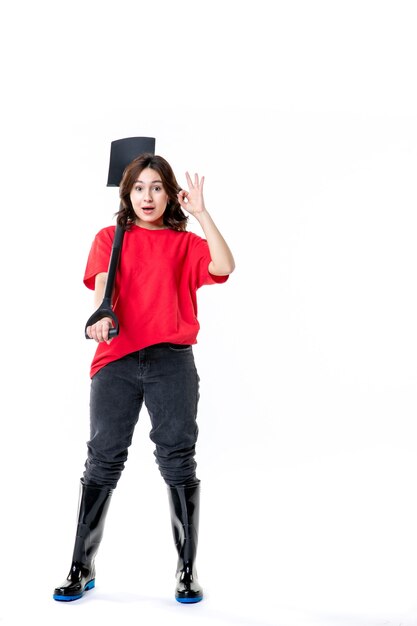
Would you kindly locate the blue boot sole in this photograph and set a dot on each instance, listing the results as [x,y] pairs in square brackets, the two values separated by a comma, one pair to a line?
[189,600]
[89,585]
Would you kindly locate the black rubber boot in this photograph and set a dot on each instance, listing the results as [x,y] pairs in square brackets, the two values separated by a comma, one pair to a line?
[92,510]
[185,510]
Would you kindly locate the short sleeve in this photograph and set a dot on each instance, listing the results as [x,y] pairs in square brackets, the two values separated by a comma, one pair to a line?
[99,256]
[201,258]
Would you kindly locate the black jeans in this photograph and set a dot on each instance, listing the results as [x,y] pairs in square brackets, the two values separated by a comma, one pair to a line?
[164,376]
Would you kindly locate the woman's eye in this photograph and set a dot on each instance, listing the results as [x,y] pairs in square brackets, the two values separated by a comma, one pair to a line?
[137,188]
[157,188]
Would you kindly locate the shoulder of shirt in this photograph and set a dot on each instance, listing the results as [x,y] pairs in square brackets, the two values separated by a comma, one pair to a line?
[186,235]
[107,231]
[195,239]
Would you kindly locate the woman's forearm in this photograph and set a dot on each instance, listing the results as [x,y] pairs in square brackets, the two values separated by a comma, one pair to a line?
[222,262]
[99,287]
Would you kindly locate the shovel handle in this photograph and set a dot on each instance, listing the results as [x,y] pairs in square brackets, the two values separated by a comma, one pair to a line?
[103,311]
[105,308]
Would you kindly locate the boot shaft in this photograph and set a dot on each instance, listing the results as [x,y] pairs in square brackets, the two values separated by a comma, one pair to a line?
[184,503]
[92,510]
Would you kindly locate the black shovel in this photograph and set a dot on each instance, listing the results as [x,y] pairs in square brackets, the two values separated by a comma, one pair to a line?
[105,309]
[122,152]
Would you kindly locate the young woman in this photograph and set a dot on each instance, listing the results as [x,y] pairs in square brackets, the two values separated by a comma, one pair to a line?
[151,360]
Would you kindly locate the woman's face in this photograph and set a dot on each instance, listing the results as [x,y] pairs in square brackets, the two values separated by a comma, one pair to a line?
[149,199]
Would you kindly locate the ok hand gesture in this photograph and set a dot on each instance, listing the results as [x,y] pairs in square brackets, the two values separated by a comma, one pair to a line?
[192,201]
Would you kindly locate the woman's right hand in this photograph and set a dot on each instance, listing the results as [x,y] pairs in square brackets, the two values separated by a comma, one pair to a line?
[100,330]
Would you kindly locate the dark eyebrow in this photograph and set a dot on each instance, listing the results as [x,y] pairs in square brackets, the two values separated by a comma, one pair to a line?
[154,181]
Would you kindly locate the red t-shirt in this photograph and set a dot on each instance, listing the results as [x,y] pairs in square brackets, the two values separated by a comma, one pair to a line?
[155,289]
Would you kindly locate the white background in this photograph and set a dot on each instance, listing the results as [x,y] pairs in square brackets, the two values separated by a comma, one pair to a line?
[302,117]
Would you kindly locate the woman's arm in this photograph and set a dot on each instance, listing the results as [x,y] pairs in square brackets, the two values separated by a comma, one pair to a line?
[99,286]
[222,262]
[100,330]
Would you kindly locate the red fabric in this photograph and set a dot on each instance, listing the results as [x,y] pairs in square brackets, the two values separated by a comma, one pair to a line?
[155,292]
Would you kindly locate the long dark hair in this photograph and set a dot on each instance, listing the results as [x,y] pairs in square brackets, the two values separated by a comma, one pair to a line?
[174,216]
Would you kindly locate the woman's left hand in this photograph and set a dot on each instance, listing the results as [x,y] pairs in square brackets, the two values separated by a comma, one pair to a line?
[192,201]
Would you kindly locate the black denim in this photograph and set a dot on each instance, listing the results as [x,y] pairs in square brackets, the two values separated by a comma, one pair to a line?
[164,377]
